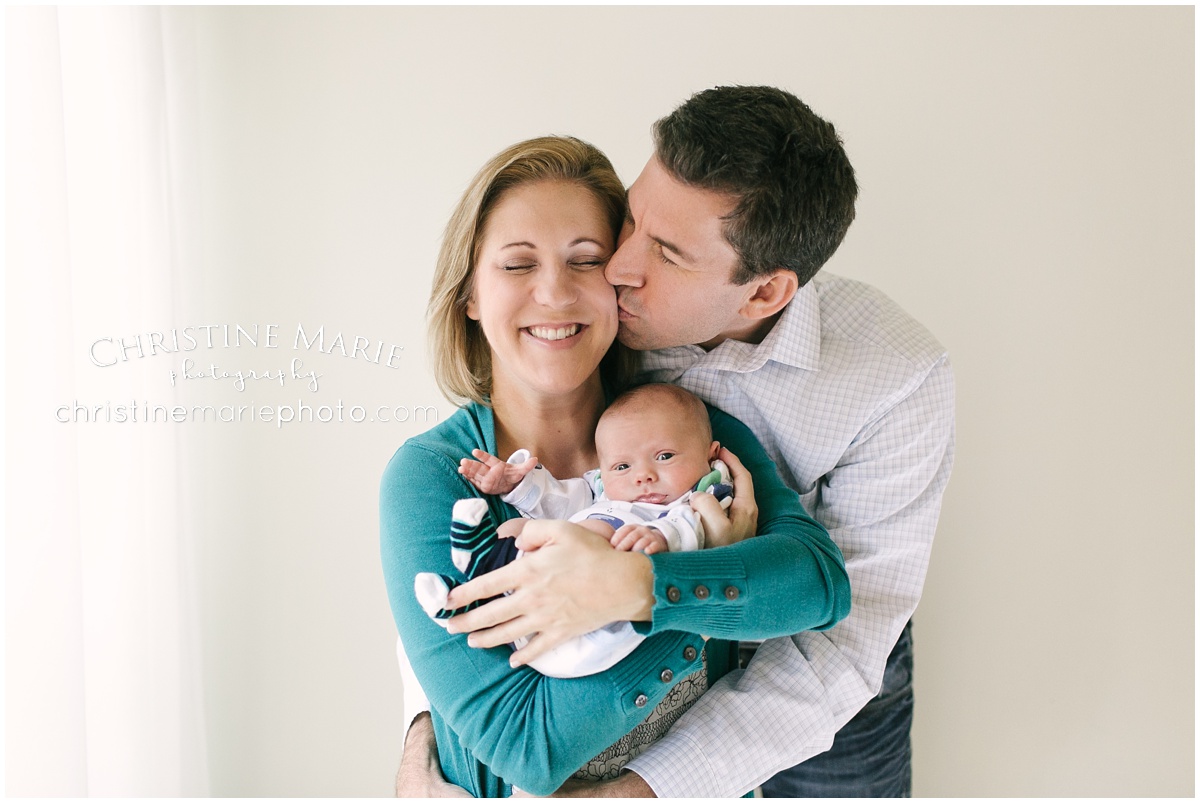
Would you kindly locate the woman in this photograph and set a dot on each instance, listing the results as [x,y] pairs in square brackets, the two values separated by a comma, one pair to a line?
[521,319]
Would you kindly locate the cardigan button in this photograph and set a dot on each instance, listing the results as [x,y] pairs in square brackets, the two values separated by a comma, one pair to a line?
[689,653]
[667,676]
[641,701]
[673,594]
[701,592]
[731,593]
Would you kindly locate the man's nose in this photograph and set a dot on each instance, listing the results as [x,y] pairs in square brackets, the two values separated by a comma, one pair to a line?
[624,267]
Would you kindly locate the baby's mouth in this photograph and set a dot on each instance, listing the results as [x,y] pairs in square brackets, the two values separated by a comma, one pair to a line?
[553,333]
[654,499]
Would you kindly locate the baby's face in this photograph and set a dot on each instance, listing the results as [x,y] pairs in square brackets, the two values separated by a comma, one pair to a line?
[652,455]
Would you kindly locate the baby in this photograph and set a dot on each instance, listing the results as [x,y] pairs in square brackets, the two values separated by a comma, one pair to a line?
[656,449]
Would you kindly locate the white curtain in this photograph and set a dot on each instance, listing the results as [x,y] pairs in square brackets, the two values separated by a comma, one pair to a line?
[102,664]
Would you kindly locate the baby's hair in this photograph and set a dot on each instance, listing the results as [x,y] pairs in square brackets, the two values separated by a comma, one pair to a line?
[657,396]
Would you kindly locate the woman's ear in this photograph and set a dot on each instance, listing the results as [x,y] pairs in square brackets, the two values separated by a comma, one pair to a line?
[472,308]
[771,294]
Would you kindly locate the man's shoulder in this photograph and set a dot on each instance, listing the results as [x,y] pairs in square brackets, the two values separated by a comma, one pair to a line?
[858,313]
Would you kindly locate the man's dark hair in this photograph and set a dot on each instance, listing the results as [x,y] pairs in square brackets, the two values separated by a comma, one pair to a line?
[786,167]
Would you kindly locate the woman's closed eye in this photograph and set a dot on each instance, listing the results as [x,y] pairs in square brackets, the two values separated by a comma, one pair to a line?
[589,262]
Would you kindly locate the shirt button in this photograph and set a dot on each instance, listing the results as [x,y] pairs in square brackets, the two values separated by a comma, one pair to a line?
[701,592]
[673,593]
[731,593]
[667,676]
[689,653]
[641,701]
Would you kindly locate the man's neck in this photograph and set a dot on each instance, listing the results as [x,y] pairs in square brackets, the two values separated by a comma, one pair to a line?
[753,332]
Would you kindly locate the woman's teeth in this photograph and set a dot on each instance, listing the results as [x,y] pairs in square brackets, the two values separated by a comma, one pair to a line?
[549,333]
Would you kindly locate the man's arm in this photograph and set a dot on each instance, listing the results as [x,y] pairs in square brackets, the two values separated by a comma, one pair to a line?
[420,774]
[627,784]
[881,505]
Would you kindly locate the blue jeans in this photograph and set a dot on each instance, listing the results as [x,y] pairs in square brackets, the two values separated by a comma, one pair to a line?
[871,755]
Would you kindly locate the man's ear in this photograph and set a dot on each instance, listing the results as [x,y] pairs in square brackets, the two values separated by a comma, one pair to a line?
[771,294]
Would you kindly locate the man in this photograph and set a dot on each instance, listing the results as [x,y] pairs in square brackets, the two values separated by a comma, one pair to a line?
[746,197]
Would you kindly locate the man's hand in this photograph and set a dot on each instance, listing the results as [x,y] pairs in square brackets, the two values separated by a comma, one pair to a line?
[639,538]
[627,784]
[420,774]
[492,475]
[570,582]
[740,521]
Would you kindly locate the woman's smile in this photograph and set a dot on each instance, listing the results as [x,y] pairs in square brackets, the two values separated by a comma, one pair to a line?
[554,333]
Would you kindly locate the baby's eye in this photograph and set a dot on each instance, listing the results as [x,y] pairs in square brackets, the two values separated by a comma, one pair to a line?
[665,455]
[620,467]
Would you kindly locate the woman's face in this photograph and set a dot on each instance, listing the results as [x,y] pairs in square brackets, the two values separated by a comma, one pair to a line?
[539,290]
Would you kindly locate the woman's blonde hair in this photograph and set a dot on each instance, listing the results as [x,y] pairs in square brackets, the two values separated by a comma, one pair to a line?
[462,361]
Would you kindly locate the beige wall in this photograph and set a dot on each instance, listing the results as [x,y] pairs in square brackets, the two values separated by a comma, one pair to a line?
[1027,185]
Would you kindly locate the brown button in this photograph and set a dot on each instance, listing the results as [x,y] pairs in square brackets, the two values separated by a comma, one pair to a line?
[731,592]
[641,701]
[689,653]
[701,592]
[673,593]
[667,676]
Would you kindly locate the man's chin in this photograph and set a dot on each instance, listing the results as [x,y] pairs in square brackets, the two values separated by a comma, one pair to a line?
[631,339]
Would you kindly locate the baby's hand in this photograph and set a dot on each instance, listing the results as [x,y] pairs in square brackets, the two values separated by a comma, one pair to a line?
[491,474]
[638,538]
[511,528]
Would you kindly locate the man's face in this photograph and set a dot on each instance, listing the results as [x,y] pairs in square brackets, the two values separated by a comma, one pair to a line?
[673,266]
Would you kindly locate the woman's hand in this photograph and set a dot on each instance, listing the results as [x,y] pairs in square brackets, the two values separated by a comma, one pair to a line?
[570,582]
[740,521]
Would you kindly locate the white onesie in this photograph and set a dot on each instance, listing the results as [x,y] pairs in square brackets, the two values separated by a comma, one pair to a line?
[542,496]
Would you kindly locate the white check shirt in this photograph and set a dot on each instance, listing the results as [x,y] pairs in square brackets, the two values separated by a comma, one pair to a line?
[854,401]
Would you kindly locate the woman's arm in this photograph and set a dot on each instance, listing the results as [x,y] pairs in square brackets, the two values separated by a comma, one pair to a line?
[503,717]
[788,579]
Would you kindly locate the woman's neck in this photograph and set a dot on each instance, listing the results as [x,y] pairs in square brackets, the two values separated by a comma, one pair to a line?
[560,430]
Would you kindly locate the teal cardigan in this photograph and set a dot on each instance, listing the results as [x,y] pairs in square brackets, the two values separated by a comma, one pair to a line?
[497,726]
